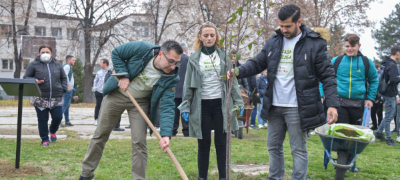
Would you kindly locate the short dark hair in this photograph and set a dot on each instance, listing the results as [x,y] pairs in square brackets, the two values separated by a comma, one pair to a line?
[46,46]
[233,51]
[289,11]
[105,61]
[68,57]
[171,45]
[353,39]
[394,50]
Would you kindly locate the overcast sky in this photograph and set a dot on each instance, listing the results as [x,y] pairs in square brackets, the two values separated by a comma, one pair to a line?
[378,12]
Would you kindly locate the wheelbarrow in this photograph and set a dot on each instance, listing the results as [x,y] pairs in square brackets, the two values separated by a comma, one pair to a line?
[346,149]
[244,119]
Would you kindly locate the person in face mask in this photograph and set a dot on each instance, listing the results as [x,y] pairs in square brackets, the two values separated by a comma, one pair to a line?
[52,82]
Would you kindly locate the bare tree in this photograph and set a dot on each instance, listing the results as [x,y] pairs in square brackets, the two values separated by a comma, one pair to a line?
[11,9]
[97,16]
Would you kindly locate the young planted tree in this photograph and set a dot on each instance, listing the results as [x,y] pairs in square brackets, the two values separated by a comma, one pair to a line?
[237,11]
[388,34]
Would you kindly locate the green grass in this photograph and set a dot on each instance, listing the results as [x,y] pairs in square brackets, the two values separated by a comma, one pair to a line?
[62,160]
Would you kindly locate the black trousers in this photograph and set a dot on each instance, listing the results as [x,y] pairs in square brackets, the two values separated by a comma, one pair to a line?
[350,115]
[185,125]
[377,111]
[211,118]
[99,100]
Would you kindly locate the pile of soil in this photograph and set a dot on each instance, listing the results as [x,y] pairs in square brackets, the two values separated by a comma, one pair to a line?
[8,170]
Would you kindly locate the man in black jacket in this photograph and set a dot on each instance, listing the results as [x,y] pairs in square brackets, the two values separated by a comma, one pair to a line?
[296,59]
[178,94]
[389,94]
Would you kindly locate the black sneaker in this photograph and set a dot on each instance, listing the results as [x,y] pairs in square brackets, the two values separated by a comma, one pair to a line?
[380,136]
[68,124]
[374,128]
[128,127]
[390,142]
[118,129]
[86,178]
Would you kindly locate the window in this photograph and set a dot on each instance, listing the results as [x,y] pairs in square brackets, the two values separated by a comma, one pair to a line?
[20,30]
[25,64]
[5,30]
[140,29]
[7,64]
[72,33]
[56,32]
[40,31]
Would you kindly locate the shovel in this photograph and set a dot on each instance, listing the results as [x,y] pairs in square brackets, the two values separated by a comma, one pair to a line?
[169,152]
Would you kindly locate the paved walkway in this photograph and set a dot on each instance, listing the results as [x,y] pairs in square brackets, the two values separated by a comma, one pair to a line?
[82,118]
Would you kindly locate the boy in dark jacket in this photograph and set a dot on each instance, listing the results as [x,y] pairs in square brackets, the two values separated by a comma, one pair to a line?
[389,94]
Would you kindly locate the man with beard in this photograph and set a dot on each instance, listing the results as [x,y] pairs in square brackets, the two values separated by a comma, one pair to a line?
[296,60]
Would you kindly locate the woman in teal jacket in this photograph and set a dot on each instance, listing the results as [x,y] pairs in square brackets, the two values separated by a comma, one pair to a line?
[204,98]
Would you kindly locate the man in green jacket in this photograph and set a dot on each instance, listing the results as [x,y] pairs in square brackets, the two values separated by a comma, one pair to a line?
[153,73]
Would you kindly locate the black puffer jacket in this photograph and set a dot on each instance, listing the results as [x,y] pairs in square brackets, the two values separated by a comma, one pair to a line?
[40,71]
[391,75]
[311,66]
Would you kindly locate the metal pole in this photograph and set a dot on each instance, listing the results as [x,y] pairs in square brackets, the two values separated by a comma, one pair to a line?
[20,103]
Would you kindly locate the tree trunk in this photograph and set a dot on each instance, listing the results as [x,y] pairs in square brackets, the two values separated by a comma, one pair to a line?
[87,69]
[17,72]
[87,82]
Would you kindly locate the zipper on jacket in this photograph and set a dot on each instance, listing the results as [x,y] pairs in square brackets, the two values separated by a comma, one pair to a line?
[351,66]
[48,68]
[269,54]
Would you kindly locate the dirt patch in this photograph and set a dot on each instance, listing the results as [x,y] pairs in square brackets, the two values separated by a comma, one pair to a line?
[251,169]
[8,170]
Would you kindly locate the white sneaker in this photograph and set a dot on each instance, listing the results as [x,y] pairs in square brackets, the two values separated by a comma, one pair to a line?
[398,139]
[158,129]
[95,122]
[260,126]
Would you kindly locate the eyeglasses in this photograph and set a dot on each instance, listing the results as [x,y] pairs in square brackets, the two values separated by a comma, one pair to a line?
[171,62]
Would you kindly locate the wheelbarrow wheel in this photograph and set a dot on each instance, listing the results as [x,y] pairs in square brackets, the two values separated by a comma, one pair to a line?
[240,133]
[342,159]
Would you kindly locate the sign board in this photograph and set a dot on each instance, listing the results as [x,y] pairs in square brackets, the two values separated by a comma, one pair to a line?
[31,44]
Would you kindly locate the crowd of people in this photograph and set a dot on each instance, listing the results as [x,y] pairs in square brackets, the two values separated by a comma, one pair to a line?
[300,89]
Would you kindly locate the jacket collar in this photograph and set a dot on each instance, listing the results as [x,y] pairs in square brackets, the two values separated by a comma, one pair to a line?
[305,30]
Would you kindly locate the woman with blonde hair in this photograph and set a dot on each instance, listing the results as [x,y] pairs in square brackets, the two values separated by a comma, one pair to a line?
[204,99]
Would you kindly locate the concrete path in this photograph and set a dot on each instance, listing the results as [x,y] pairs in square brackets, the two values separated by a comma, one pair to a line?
[82,118]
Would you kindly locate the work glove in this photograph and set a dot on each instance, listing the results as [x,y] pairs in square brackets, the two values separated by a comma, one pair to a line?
[185,116]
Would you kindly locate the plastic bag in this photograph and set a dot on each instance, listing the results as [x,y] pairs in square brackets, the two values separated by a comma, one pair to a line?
[366,117]
[351,132]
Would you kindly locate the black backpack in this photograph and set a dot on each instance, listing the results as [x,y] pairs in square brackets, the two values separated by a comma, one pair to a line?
[382,82]
[366,66]
[109,72]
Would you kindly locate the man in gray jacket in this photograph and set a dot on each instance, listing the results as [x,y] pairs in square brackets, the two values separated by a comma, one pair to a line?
[70,61]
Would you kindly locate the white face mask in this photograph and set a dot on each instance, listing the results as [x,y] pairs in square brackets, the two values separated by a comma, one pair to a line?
[45,57]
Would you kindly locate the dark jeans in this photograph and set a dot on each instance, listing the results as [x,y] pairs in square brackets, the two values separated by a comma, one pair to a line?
[253,116]
[350,115]
[185,125]
[67,96]
[99,99]
[43,120]
[377,110]
[211,118]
